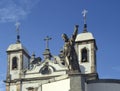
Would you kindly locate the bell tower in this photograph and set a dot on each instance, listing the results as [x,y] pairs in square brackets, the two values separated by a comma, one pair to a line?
[86,50]
[18,59]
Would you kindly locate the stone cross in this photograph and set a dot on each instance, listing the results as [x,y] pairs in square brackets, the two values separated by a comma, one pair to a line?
[17,30]
[47,41]
[17,27]
[84,12]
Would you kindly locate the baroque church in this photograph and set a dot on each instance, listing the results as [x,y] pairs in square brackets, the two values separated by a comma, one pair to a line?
[74,69]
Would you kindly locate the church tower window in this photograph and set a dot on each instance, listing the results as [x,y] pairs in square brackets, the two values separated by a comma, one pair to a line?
[84,55]
[14,63]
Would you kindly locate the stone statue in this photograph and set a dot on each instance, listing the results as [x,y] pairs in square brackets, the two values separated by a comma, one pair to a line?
[70,56]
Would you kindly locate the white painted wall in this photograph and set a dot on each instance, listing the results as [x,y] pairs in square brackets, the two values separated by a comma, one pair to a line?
[63,85]
[13,88]
[103,87]
[85,66]
[58,83]
[32,84]
[14,73]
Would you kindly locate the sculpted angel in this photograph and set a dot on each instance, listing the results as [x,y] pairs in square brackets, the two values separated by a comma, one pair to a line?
[69,50]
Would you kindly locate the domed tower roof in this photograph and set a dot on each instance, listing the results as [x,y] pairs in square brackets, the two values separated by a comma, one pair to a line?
[17,47]
[84,36]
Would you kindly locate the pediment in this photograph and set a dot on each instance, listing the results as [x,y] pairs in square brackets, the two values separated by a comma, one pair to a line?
[47,67]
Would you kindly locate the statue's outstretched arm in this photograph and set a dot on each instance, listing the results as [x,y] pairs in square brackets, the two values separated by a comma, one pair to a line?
[74,35]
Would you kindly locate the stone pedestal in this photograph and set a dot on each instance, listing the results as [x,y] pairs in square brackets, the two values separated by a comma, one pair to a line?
[77,82]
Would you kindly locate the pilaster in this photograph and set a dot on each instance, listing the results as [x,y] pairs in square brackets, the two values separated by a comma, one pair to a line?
[7,86]
[8,67]
[18,85]
[21,65]
[92,58]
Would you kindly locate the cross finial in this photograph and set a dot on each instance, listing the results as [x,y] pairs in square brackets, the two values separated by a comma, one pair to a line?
[47,41]
[17,30]
[17,24]
[84,12]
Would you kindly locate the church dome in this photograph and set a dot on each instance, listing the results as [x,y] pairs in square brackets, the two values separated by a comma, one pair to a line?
[17,46]
[84,37]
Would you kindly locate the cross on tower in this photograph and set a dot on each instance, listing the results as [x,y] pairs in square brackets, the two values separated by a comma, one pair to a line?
[17,30]
[17,27]
[47,41]
[84,12]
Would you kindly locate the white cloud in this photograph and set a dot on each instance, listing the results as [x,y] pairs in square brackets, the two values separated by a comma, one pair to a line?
[14,10]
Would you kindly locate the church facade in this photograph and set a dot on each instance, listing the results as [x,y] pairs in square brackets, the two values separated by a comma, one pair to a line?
[74,69]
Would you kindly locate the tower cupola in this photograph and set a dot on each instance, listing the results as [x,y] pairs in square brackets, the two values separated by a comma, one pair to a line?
[18,58]
[86,50]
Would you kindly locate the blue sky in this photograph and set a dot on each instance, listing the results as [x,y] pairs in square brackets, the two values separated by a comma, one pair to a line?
[54,17]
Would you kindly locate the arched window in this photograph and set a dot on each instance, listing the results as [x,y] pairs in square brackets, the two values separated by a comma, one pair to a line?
[46,69]
[84,55]
[14,63]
